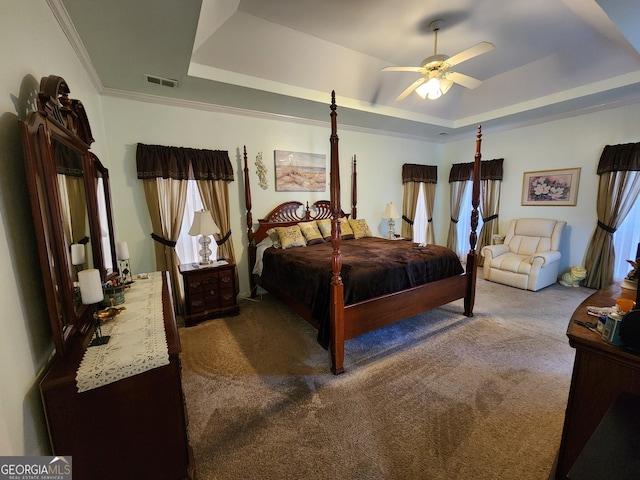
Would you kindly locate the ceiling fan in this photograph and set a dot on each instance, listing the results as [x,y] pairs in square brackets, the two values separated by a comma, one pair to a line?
[436,78]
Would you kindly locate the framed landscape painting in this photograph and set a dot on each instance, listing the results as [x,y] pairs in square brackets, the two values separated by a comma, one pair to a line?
[551,187]
[300,172]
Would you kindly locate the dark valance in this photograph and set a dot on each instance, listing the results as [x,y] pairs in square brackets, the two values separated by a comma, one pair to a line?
[412,172]
[461,172]
[181,163]
[68,162]
[617,158]
[489,170]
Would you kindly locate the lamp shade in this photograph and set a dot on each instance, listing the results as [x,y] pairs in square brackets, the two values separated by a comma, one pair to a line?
[122,251]
[90,286]
[434,88]
[77,254]
[390,211]
[203,224]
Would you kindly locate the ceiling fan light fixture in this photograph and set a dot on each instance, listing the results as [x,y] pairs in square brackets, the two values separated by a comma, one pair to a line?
[431,89]
[436,78]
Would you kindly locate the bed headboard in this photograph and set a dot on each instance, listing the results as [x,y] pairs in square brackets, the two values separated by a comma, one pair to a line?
[290,213]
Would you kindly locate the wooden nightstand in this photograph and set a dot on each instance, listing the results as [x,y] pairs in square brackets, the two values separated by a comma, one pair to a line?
[210,291]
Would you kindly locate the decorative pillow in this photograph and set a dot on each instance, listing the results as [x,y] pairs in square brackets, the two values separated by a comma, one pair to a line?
[311,233]
[291,237]
[346,230]
[360,228]
[324,226]
[325,229]
[275,238]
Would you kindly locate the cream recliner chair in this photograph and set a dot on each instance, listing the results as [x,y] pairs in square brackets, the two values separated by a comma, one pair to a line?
[529,258]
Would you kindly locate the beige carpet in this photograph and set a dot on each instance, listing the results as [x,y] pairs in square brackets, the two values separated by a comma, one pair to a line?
[436,396]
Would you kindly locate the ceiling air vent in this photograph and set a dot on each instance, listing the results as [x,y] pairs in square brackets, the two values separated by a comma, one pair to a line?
[166,82]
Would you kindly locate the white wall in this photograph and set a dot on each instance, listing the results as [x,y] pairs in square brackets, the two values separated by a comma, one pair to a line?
[566,143]
[33,46]
[379,165]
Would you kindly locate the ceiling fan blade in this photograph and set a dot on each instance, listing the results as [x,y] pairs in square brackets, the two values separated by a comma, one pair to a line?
[403,69]
[464,80]
[411,88]
[469,53]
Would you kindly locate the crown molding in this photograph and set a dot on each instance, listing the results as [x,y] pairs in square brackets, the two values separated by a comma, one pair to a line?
[203,106]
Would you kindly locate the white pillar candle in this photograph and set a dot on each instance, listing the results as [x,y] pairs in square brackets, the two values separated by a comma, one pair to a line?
[90,286]
[77,254]
[122,251]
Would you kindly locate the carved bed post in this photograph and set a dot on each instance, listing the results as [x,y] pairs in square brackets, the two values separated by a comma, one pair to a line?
[472,257]
[247,199]
[336,308]
[354,191]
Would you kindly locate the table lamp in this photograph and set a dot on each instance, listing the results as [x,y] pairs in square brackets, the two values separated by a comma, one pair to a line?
[204,225]
[390,212]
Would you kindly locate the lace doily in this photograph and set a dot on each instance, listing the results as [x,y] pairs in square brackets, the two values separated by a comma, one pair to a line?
[138,341]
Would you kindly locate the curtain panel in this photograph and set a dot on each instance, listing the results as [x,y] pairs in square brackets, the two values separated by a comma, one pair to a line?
[180,163]
[618,189]
[413,175]
[165,172]
[491,174]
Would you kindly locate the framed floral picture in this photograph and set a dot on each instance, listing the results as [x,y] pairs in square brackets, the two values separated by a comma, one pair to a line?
[551,187]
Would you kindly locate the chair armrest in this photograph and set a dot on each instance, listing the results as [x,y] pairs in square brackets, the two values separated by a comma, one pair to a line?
[492,251]
[547,257]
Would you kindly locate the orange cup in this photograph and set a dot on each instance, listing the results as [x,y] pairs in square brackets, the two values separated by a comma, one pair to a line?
[625,304]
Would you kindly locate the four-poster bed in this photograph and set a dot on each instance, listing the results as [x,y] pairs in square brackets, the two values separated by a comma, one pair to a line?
[435,279]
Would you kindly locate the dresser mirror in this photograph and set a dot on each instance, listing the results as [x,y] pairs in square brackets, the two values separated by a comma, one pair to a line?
[73,203]
[71,207]
[105,219]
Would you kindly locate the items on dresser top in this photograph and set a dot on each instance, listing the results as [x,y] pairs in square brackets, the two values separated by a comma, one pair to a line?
[137,339]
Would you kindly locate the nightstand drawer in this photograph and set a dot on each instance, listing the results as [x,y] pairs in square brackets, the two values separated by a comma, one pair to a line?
[227,278]
[196,303]
[227,297]
[202,282]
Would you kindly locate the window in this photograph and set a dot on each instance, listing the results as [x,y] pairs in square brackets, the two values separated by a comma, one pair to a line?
[187,247]
[420,218]
[625,242]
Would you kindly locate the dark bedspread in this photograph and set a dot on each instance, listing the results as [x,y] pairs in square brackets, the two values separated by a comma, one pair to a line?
[371,267]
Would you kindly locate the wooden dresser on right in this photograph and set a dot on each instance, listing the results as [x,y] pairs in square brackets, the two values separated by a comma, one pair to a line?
[601,372]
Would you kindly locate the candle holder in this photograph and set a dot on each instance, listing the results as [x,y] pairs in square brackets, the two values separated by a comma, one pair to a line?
[124,267]
[91,293]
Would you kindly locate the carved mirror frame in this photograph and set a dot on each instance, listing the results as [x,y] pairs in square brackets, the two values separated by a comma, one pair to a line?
[60,128]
